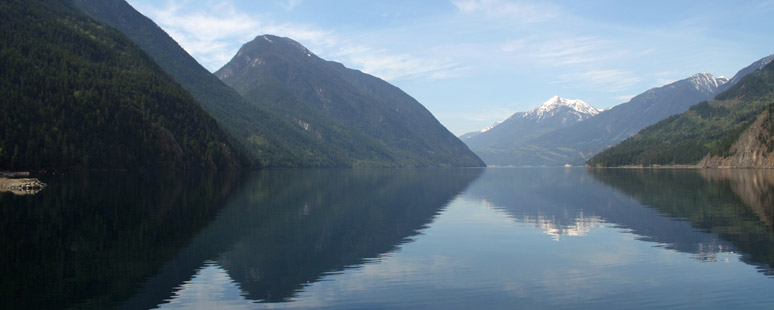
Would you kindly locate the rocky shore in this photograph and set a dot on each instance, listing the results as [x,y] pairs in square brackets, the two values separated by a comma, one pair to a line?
[10,182]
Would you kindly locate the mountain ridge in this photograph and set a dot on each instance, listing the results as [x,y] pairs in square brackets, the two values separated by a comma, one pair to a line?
[273,140]
[343,105]
[575,144]
[734,129]
[80,95]
[495,145]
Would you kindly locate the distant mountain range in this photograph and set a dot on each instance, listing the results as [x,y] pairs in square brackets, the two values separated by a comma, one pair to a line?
[498,144]
[734,130]
[576,143]
[365,119]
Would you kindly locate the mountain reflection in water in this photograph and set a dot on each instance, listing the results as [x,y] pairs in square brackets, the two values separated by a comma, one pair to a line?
[88,240]
[702,212]
[734,206]
[393,238]
[288,228]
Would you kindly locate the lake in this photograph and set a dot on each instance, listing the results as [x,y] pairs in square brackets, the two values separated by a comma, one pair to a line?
[542,238]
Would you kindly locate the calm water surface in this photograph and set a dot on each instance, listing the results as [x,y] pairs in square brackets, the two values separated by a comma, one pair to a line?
[386,239]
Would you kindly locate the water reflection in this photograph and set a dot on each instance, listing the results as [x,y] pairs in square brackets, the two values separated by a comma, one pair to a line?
[702,212]
[733,205]
[358,238]
[754,187]
[138,241]
[88,241]
[287,229]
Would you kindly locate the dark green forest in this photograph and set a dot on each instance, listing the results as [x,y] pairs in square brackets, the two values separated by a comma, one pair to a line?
[710,127]
[77,94]
[272,139]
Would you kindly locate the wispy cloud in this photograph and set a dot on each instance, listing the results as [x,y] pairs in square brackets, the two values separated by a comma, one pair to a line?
[289,5]
[583,61]
[562,50]
[214,33]
[610,80]
[207,35]
[392,66]
[520,11]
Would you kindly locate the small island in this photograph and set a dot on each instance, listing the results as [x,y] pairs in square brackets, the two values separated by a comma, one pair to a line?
[15,182]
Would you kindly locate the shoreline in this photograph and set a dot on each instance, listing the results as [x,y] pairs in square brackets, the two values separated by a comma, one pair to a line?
[11,182]
[679,167]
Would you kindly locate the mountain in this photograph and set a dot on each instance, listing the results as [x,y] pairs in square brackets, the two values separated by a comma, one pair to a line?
[79,95]
[496,144]
[754,147]
[272,139]
[734,129]
[364,119]
[475,133]
[575,144]
[758,65]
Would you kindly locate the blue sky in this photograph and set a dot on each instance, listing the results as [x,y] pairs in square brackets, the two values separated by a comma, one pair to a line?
[475,62]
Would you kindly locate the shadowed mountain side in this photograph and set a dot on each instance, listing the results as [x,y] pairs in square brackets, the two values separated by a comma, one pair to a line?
[369,121]
[77,95]
[89,241]
[289,228]
[272,139]
[710,201]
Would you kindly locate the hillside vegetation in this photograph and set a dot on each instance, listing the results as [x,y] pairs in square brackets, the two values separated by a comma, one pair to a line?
[79,95]
[271,139]
[709,128]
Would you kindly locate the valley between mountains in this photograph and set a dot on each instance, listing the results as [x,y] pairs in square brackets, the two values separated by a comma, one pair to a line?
[94,84]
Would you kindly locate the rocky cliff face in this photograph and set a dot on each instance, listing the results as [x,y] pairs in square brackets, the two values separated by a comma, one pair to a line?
[753,149]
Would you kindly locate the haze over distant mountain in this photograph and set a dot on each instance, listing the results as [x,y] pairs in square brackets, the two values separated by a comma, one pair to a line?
[734,130]
[363,119]
[496,144]
[79,95]
[272,139]
[575,144]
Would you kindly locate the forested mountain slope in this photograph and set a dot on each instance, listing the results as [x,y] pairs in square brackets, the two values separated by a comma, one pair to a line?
[79,95]
[273,140]
[575,144]
[710,129]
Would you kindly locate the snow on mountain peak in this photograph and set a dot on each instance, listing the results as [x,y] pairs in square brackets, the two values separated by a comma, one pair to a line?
[488,128]
[707,82]
[553,105]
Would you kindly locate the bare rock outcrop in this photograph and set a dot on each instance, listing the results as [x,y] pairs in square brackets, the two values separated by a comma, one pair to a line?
[752,149]
[20,186]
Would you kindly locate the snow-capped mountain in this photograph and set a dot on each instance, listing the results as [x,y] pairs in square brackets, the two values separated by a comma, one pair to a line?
[475,133]
[707,83]
[555,113]
[488,128]
[575,144]
[567,109]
